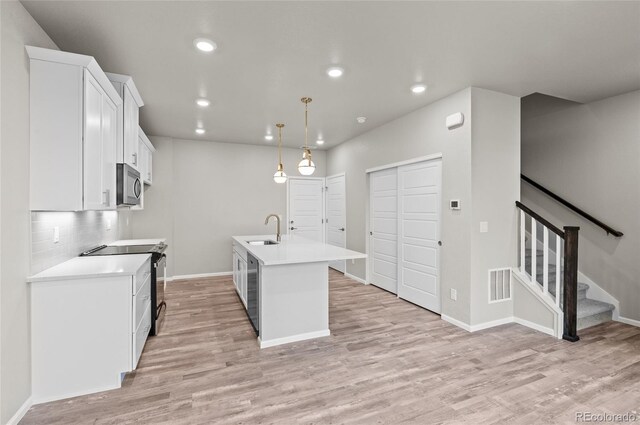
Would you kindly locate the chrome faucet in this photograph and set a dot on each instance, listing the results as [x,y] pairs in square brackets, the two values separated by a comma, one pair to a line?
[266,221]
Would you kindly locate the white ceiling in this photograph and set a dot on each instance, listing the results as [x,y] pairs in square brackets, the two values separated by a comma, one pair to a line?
[270,54]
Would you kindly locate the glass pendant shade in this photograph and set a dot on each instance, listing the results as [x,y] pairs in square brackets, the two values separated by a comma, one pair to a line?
[280,176]
[306,167]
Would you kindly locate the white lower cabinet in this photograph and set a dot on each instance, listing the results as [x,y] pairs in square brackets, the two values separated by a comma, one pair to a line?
[87,332]
[240,272]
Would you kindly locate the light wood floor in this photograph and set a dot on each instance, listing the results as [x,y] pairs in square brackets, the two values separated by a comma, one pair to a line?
[387,361]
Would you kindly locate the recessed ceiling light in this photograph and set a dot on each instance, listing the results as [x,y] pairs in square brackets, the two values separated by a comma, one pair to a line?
[335,72]
[200,130]
[361,120]
[205,45]
[319,142]
[203,102]
[268,137]
[418,88]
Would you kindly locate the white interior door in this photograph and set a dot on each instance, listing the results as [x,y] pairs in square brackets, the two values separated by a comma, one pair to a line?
[306,208]
[383,229]
[419,187]
[335,201]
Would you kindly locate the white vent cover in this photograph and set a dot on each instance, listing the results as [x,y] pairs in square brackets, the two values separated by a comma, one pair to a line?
[499,285]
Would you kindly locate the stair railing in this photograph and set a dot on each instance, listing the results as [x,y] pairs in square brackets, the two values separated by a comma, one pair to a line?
[610,230]
[563,241]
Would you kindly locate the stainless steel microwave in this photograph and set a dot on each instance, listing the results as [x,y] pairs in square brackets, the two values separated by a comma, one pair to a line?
[129,186]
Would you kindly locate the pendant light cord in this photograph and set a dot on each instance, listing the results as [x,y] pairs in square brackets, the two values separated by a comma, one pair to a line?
[279,144]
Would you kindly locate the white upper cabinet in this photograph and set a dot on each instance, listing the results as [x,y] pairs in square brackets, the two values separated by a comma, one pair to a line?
[145,152]
[128,118]
[73,136]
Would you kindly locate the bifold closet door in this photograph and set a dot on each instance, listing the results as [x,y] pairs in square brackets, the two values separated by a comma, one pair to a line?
[383,229]
[419,187]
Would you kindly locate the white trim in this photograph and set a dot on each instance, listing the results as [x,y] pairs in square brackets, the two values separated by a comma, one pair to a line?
[499,322]
[534,326]
[456,322]
[22,411]
[199,276]
[491,324]
[631,322]
[356,278]
[407,162]
[547,301]
[293,338]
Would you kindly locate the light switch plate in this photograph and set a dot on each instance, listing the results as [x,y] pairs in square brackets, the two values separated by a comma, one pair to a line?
[454,294]
[484,226]
[108,224]
[56,234]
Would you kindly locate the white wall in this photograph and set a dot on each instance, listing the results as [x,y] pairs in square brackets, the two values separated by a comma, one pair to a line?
[419,133]
[495,181]
[18,29]
[205,192]
[480,167]
[590,155]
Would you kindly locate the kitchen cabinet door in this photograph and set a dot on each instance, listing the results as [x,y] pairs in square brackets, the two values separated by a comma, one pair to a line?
[149,166]
[131,111]
[99,147]
[242,287]
[142,152]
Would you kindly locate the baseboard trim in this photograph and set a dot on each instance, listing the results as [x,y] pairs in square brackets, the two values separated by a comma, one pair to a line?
[356,278]
[294,338]
[499,322]
[628,321]
[22,411]
[456,322]
[534,326]
[198,276]
[491,324]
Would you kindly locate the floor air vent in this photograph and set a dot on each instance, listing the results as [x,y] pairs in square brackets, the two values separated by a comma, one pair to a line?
[499,285]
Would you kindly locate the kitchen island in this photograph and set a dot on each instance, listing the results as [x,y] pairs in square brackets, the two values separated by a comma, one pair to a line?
[287,292]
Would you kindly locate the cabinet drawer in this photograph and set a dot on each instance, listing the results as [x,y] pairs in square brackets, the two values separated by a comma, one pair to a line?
[141,276]
[140,301]
[141,334]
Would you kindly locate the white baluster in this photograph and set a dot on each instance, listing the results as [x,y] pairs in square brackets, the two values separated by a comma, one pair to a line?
[545,260]
[558,247]
[522,241]
[534,248]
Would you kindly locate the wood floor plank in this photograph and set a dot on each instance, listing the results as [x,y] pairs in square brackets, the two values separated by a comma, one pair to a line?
[386,362]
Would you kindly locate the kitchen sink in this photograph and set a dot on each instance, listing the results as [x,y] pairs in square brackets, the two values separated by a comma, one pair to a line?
[267,242]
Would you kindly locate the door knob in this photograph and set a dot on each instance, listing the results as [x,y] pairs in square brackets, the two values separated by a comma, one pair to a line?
[341,229]
[293,228]
[439,243]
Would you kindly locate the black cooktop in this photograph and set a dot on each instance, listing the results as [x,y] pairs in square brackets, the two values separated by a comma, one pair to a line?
[127,249]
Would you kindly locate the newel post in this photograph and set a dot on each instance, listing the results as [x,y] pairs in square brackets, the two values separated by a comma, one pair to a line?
[570,283]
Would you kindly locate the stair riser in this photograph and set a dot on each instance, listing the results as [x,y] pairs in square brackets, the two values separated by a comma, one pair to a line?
[596,319]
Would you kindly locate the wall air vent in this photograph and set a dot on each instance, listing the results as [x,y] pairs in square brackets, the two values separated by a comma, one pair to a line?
[499,285]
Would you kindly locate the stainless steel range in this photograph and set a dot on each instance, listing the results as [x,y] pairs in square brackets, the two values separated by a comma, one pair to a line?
[158,275]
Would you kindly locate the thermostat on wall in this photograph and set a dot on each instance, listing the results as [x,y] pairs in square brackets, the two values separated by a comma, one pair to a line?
[454,204]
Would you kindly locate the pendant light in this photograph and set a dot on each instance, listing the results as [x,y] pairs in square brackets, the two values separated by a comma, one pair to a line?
[306,167]
[280,176]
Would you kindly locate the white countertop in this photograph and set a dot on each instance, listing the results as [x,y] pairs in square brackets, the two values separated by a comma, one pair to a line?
[127,242]
[294,250]
[89,267]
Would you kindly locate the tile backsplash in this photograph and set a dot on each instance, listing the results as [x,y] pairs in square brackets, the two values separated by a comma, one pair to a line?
[78,232]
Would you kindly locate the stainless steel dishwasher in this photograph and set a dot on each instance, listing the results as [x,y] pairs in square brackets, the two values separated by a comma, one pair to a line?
[253,296]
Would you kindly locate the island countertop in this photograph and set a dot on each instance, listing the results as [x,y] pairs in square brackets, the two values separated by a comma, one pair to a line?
[294,250]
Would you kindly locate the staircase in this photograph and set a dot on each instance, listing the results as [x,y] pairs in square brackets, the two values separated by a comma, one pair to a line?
[590,312]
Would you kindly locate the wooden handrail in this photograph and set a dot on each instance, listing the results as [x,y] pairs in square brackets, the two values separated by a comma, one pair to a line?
[540,219]
[608,229]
